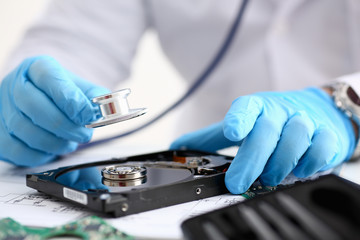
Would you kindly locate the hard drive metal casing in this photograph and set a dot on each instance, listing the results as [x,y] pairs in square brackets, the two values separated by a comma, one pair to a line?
[173,177]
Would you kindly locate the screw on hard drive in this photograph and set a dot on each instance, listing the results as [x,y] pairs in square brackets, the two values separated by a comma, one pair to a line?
[124,207]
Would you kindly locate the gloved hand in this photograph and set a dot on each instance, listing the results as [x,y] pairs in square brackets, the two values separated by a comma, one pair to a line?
[278,133]
[43,110]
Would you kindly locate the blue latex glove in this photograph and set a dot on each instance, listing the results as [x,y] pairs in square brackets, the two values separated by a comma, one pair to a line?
[278,133]
[43,110]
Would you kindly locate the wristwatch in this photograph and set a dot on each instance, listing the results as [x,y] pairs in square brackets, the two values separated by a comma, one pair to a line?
[345,92]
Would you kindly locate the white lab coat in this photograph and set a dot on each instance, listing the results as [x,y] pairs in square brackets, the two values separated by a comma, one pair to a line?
[282,45]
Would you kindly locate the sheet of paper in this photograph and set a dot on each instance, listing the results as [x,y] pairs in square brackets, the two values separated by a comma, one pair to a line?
[165,222]
[32,208]
[35,209]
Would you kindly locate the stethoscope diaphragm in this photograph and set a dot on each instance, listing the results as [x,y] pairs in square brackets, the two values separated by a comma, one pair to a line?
[114,107]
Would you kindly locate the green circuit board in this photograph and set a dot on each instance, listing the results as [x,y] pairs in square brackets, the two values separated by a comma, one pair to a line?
[257,189]
[89,228]
[254,191]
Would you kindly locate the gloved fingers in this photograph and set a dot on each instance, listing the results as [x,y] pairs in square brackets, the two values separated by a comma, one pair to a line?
[91,91]
[241,117]
[88,88]
[33,136]
[23,128]
[49,76]
[322,152]
[42,112]
[295,140]
[254,152]
[93,178]
[69,178]
[20,154]
[208,139]
[84,179]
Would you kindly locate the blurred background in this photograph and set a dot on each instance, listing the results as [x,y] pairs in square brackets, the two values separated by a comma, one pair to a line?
[155,84]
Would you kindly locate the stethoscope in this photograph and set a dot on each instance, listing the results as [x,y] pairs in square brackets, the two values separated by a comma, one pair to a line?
[114,107]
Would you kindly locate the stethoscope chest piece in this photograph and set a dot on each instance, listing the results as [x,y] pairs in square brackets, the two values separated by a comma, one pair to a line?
[114,107]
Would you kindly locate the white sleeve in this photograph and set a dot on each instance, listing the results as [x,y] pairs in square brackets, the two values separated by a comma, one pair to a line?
[94,39]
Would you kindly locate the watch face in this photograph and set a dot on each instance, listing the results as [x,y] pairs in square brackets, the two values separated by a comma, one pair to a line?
[353,96]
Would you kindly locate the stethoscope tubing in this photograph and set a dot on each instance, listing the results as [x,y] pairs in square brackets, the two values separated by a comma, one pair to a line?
[205,75]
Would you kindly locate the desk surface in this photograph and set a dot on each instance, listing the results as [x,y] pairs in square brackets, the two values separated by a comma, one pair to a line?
[29,207]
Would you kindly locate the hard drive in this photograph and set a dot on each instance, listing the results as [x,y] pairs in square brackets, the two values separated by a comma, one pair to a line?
[123,186]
